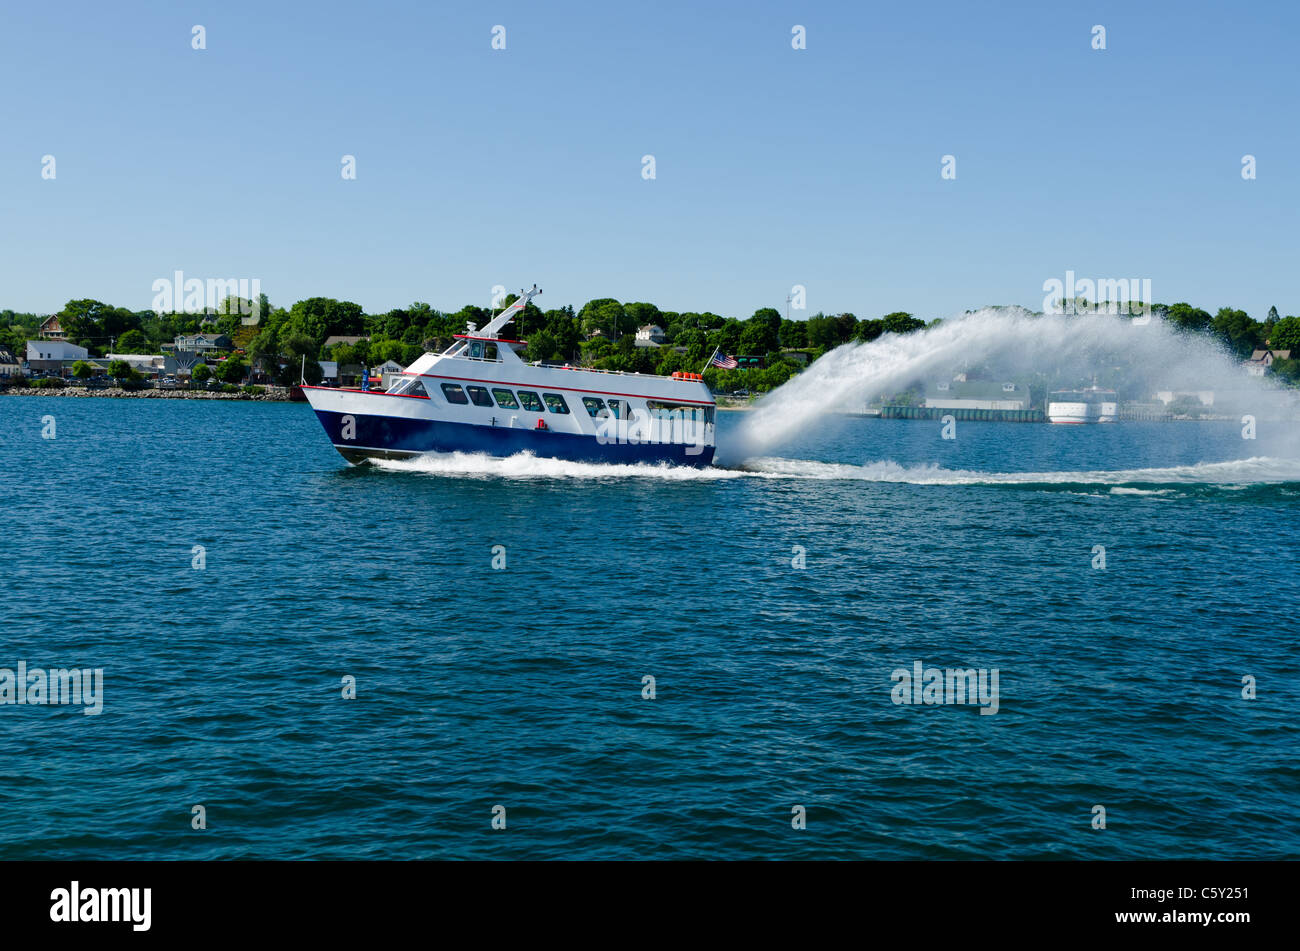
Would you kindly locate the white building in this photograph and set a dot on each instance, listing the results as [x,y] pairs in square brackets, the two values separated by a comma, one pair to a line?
[1261,360]
[9,365]
[651,335]
[977,394]
[48,356]
[201,344]
[146,363]
[389,372]
[1168,396]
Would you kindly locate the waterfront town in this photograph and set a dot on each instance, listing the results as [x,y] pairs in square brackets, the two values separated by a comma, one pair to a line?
[247,347]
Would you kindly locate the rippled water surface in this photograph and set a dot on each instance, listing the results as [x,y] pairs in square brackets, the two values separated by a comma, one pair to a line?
[522,687]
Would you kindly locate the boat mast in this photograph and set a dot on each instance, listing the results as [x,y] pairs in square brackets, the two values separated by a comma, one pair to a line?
[500,320]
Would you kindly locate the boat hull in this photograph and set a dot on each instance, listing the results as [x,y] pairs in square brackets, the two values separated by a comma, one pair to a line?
[402,437]
[1076,413]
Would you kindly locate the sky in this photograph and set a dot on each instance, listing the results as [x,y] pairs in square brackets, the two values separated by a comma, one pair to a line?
[773,166]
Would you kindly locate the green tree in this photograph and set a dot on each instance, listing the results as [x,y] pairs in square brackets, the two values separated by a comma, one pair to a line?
[384,350]
[900,322]
[542,345]
[299,369]
[264,349]
[727,337]
[82,370]
[606,315]
[200,374]
[794,334]
[640,314]
[319,317]
[1288,370]
[1186,317]
[1237,330]
[869,330]
[822,332]
[563,327]
[232,370]
[1286,334]
[759,337]
[123,372]
[133,341]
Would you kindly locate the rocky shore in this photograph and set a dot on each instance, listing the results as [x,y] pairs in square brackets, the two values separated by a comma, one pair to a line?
[274,395]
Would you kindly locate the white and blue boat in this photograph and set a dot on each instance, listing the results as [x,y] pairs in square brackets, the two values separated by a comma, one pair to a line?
[479,396]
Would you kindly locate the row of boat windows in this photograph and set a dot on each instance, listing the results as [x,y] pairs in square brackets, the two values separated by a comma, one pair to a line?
[596,407]
[506,399]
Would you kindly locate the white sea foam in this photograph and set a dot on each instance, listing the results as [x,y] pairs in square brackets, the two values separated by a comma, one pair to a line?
[1008,343]
[1256,470]
[525,465]
[1234,474]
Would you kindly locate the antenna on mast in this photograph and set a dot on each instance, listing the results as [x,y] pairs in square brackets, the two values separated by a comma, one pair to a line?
[503,318]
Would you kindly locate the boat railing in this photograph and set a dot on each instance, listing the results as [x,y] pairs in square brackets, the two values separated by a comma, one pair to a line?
[566,366]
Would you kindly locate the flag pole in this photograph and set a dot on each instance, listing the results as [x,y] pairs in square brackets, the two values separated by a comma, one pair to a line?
[709,362]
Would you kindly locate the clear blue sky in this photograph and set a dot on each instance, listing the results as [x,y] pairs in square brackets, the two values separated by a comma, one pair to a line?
[775,167]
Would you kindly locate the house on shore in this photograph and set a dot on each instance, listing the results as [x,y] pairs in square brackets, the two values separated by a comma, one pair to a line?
[52,329]
[976,394]
[202,344]
[1261,360]
[388,372]
[146,364]
[9,365]
[181,363]
[650,335]
[54,356]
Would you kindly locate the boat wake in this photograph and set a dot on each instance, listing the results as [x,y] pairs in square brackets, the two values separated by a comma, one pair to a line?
[1259,470]
[1007,343]
[525,465]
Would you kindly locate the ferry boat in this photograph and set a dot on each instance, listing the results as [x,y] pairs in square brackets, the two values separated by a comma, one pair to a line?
[1092,405]
[480,396]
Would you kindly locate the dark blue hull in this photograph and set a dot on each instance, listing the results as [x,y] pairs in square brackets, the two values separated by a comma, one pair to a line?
[394,437]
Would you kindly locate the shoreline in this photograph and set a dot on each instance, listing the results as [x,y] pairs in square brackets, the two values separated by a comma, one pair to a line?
[277,396]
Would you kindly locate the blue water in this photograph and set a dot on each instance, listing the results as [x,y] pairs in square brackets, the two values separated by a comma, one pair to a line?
[522,687]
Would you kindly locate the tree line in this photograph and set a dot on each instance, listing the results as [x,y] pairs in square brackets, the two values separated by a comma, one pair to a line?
[600,334]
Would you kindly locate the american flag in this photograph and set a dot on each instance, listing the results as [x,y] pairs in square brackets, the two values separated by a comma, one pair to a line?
[724,361]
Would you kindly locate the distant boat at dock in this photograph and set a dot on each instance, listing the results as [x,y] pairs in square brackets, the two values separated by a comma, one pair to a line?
[1091,405]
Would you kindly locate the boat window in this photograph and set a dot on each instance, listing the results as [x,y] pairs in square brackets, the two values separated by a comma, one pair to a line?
[505,399]
[661,410]
[620,409]
[594,406]
[408,386]
[532,402]
[454,393]
[555,403]
[479,395]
